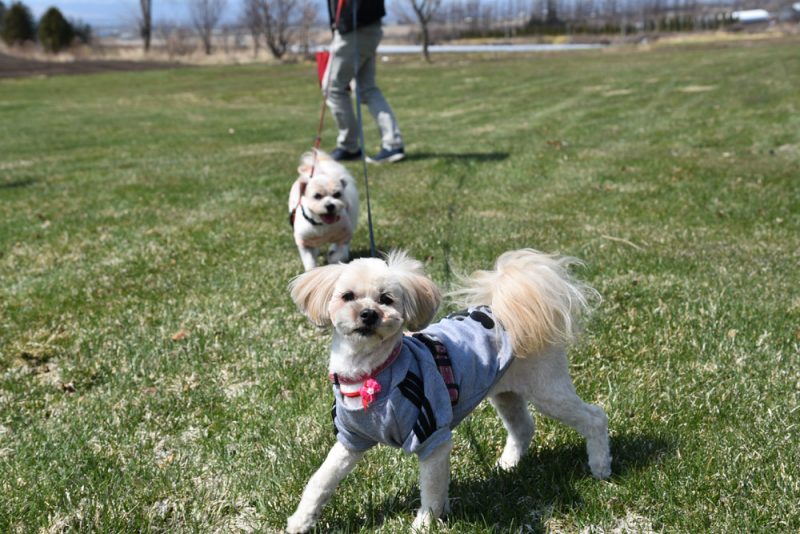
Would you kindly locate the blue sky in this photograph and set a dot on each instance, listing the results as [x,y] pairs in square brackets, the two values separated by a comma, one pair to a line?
[103,13]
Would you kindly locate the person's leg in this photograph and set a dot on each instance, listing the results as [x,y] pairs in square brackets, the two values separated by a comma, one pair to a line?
[341,71]
[368,39]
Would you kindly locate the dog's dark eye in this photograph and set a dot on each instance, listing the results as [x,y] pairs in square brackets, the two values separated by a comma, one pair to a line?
[337,194]
[348,296]
[317,196]
[386,300]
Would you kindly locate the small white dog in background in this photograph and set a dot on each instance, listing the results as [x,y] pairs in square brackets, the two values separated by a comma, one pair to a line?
[323,209]
[409,391]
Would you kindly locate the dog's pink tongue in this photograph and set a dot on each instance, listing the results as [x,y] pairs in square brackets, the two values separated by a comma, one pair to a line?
[328,219]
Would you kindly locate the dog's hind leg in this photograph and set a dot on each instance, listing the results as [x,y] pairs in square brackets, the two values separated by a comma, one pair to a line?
[544,380]
[513,411]
[554,395]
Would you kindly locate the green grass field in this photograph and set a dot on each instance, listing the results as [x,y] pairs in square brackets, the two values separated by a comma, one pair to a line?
[138,206]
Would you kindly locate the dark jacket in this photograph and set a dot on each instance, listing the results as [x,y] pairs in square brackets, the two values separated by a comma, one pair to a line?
[367,12]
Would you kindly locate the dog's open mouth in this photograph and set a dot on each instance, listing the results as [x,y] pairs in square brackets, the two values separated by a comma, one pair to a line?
[329,219]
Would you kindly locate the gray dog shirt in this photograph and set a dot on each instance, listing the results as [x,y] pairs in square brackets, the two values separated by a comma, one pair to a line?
[414,410]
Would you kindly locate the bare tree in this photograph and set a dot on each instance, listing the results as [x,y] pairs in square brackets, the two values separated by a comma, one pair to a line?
[253,21]
[280,22]
[552,12]
[425,10]
[472,14]
[177,39]
[277,16]
[308,19]
[205,16]
[145,21]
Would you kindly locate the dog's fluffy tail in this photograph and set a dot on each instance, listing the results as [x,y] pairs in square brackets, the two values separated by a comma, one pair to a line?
[533,297]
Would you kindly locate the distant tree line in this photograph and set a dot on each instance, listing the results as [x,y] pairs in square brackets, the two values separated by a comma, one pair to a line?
[281,26]
[275,25]
[53,32]
[493,18]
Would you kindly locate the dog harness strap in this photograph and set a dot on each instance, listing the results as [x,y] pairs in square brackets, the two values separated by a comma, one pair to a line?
[443,364]
[333,418]
[293,213]
[412,388]
[309,219]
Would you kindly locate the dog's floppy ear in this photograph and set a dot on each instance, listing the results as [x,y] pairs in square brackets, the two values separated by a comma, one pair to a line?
[296,193]
[306,165]
[304,171]
[312,291]
[422,296]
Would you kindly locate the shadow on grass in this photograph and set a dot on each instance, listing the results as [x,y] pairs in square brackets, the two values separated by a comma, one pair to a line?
[542,485]
[633,453]
[465,157]
[14,184]
[546,483]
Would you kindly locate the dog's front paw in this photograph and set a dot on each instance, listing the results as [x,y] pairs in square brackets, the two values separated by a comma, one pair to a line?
[423,521]
[601,469]
[506,465]
[309,264]
[299,523]
[510,458]
[600,463]
[338,254]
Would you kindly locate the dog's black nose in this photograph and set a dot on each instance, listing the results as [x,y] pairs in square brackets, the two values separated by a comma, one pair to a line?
[330,208]
[369,317]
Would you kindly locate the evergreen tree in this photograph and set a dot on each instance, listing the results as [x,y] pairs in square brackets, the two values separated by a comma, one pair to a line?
[18,25]
[55,33]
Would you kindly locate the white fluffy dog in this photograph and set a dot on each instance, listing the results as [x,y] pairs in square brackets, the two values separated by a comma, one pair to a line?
[323,208]
[409,391]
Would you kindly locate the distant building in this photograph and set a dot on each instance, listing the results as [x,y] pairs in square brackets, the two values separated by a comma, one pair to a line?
[751,16]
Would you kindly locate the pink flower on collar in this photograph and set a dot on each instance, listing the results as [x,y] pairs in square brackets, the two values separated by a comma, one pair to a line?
[368,391]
